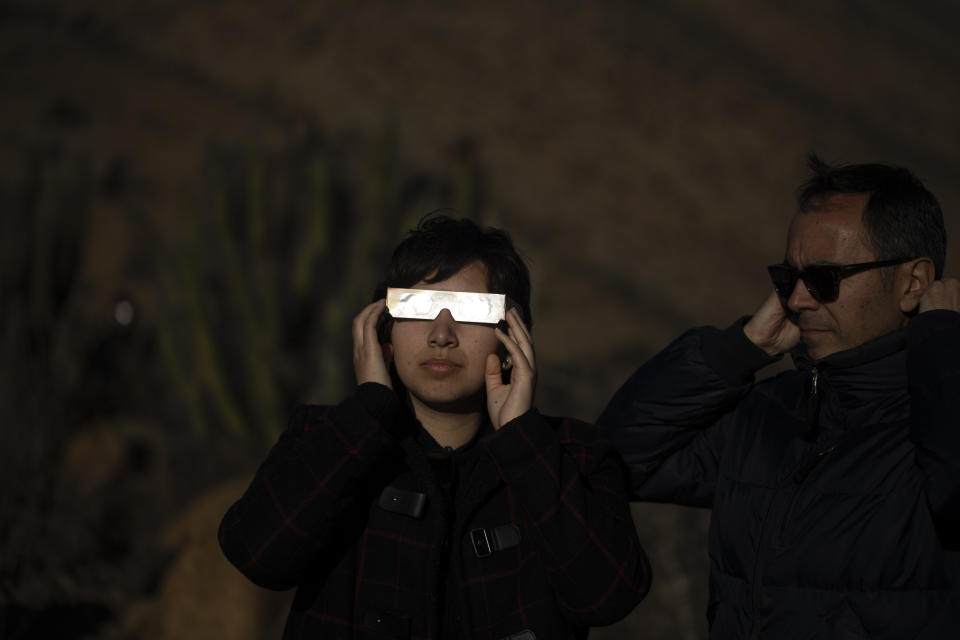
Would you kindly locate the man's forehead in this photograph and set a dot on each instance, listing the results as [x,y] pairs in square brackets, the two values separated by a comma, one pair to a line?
[832,202]
[834,234]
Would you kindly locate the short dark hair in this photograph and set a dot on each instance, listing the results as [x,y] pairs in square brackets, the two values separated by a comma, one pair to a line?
[445,245]
[902,218]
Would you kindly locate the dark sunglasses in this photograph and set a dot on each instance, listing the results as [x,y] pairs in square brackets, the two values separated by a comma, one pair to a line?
[821,280]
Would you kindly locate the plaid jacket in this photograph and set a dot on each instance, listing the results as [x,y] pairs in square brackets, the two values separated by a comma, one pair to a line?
[536,542]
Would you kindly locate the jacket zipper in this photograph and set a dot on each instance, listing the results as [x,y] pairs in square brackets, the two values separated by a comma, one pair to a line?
[798,475]
[813,404]
[797,478]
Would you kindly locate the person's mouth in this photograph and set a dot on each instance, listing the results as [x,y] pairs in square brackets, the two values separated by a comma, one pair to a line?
[811,332]
[440,365]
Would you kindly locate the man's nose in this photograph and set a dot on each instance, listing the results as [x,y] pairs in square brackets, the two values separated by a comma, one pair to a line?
[800,298]
[443,330]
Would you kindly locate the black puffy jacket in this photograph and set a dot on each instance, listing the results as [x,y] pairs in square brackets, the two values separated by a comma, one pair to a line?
[835,488]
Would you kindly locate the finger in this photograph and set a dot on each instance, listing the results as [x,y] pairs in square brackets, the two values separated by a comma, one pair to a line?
[517,356]
[357,330]
[370,323]
[493,372]
[519,323]
[941,294]
[497,391]
[361,322]
[519,334]
[525,347]
[773,307]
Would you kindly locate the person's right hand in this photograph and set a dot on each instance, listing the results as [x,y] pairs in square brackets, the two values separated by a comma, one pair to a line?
[771,328]
[369,362]
[941,294]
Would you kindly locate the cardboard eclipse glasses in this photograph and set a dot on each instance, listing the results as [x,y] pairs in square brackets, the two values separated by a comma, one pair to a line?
[464,306]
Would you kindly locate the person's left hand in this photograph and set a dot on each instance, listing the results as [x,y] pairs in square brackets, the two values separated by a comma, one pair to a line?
[941,294]
[369,359]
[508,401]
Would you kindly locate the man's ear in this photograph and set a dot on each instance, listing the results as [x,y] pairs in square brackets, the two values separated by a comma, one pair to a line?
[917,276]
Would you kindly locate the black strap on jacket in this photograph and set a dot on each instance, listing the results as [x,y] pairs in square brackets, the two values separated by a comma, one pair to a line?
[486,541]
[408,503]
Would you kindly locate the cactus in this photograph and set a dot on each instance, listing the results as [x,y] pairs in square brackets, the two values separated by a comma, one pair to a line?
[278,250]
[45,214]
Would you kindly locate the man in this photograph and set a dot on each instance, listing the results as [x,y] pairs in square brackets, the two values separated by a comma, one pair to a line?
[835,487]
[436,502]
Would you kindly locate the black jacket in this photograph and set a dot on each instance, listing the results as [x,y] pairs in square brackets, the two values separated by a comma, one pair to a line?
[836,503]
[525,533]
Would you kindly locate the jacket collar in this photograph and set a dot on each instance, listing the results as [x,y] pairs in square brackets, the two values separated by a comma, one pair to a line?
[869,352]
[861,386]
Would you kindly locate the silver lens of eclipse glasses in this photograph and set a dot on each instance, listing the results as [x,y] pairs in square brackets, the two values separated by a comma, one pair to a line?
[464,306]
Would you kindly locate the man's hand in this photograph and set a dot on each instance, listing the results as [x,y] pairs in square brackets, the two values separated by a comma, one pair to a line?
[941,294]
[508,401]
[369,363]
[771,329]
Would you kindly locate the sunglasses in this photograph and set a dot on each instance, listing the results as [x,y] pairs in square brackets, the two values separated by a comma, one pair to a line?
[464,306]
[821,280]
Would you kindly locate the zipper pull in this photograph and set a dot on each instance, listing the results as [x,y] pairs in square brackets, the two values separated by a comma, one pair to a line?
[813,404]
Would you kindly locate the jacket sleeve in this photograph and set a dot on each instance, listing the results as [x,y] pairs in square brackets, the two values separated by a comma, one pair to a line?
[569,482]
[933,368]
[301,503]
[670,420]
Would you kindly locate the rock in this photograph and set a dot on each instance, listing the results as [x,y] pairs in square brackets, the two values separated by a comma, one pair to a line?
[204,596]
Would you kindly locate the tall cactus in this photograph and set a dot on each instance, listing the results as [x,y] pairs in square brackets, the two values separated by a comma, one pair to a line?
[44,215]
[278,250]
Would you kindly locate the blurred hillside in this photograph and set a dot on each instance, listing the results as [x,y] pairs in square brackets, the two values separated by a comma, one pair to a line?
[196,197]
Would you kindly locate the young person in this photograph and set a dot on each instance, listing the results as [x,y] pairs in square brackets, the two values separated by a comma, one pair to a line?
[436,502]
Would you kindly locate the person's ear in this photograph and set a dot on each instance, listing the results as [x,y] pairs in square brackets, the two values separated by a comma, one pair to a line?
[915,278]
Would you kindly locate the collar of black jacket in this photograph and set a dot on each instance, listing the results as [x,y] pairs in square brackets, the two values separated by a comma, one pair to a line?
[872,351]
[861,386]
[434,450]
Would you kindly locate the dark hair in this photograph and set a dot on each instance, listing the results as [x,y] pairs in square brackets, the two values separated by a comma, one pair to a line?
[902,218]
[445,245]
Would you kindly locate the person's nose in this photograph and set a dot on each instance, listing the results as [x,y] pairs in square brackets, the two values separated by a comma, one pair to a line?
[800,298]
[443,330]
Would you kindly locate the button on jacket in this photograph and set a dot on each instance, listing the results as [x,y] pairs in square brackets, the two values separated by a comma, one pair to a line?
[525,533]
[835,488]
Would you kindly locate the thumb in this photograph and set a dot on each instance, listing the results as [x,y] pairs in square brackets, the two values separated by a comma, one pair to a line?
[493,372]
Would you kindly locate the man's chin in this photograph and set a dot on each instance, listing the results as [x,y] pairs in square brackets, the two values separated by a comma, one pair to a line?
[817,344]
[821,352]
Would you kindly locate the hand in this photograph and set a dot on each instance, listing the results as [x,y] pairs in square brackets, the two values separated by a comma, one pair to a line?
[771,328]
[508,401]
[941,294]
[369,361]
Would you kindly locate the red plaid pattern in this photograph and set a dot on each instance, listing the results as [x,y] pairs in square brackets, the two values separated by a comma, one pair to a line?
[311,519]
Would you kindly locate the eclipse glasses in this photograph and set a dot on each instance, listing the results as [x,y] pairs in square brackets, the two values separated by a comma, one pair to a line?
[821,280]
[464,306]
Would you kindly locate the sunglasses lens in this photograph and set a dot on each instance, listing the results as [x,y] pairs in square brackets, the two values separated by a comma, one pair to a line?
[821,282]
[784,279]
